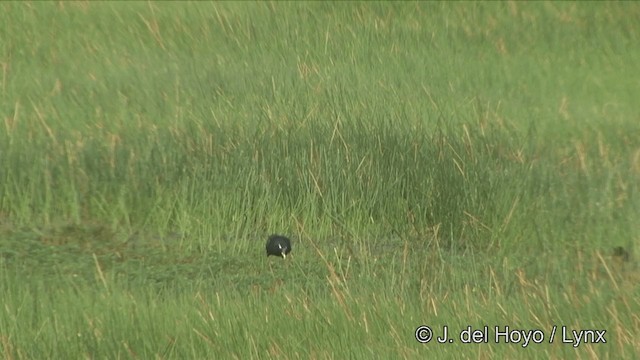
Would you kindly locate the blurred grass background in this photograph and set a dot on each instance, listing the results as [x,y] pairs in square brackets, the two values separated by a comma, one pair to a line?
[435,163]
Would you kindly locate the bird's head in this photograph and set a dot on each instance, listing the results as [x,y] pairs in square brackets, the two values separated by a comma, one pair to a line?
[283,251]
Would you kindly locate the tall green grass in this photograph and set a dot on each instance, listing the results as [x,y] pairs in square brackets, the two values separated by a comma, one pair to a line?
[442,164]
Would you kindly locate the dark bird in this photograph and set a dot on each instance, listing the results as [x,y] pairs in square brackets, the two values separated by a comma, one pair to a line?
[621,253]
[278,245]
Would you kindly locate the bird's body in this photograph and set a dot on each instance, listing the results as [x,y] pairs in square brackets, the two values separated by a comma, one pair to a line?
[278,245]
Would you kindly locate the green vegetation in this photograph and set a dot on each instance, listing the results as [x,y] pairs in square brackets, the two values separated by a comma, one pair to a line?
[435,163]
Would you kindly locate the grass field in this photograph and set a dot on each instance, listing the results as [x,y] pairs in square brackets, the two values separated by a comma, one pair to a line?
[440,164]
